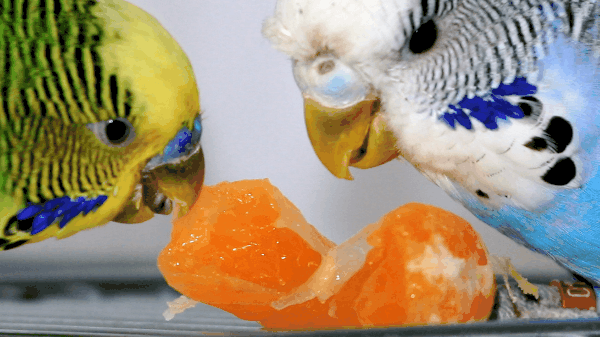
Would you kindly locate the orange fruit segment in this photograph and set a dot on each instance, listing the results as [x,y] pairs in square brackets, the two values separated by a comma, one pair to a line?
[240,247]
[245,248]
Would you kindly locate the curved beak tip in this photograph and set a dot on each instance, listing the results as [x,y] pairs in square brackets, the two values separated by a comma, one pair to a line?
[182,183]
[166,188]
[343,172]
[354,136]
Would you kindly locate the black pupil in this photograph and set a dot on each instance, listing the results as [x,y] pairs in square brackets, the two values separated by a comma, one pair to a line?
[423,38]
[117,131]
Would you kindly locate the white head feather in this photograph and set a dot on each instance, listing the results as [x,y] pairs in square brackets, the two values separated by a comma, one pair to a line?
[352,30]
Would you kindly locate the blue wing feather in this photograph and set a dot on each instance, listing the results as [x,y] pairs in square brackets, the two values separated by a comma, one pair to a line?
[568,227]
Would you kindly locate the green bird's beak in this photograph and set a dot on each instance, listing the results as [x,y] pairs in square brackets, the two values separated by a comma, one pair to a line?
[354,136]
[170,181]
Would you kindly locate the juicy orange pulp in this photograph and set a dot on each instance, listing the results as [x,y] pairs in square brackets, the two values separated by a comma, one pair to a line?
[227,251]
[246,249]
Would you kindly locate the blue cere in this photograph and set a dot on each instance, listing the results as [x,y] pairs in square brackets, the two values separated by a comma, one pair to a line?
[491,108]
[184,144]
[65,209]
[336,86]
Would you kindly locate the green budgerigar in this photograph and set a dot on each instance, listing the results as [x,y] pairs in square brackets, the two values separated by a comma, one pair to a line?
[99,119]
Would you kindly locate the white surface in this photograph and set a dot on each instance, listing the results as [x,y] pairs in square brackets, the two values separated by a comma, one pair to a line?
[254,128]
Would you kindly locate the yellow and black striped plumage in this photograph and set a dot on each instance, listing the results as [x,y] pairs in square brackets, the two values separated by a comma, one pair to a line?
[90,91]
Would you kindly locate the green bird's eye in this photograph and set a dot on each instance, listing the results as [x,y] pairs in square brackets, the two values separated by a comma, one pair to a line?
[116,132]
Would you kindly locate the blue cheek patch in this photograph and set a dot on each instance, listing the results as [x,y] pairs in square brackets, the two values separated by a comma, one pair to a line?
[183,145]
[177,146]
[519,87]
[63,209]
[490,109]
[458,116]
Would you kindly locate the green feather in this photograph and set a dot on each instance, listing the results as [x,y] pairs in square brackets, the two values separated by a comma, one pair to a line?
[51,65]
[67,68]
[52,81]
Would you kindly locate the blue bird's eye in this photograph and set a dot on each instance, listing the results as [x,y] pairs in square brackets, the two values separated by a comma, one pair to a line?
[330,82]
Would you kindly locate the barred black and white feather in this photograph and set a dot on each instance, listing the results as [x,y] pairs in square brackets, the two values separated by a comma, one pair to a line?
[496,101]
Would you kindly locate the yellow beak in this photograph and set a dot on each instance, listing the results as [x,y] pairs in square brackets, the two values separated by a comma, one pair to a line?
[355,136]
[167,187]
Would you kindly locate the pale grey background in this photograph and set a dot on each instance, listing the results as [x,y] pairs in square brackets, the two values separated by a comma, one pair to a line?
[253,128]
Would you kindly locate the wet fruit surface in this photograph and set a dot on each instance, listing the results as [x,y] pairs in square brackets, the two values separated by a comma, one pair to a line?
[233,251]
[246,249]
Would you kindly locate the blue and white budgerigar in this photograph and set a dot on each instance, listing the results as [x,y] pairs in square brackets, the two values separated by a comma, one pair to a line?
[496,101]
[99,119]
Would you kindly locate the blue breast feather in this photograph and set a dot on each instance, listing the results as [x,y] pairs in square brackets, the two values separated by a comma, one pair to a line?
[568,227]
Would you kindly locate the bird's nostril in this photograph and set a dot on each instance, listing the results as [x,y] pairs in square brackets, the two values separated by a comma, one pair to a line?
[326,67]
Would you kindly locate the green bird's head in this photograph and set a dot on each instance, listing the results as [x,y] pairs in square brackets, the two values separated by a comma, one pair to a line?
[99,119]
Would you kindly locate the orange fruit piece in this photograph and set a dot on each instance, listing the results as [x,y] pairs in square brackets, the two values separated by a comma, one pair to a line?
[240,247]
[245,248]
[418,264]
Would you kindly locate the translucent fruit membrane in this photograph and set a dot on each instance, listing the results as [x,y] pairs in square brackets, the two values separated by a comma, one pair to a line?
[248,250]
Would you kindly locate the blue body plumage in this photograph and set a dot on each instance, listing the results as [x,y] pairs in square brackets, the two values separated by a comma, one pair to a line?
[567,227]
[497,102]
